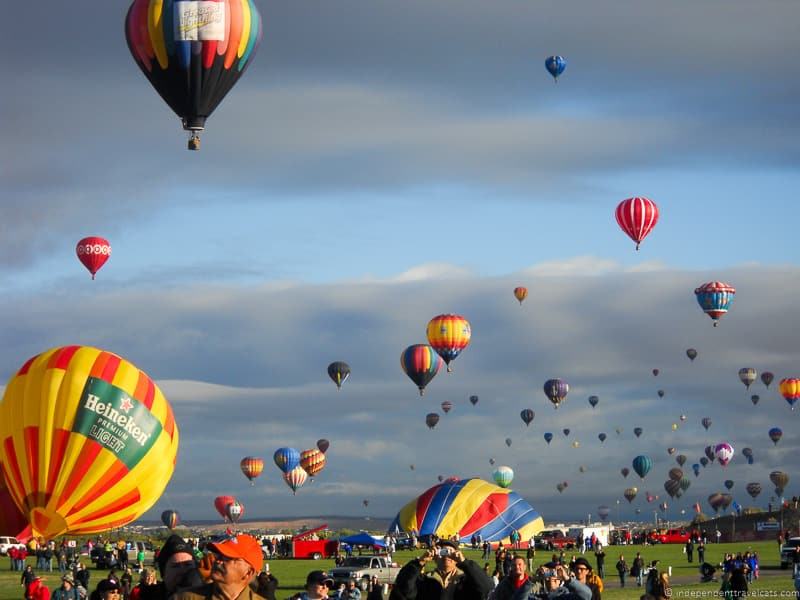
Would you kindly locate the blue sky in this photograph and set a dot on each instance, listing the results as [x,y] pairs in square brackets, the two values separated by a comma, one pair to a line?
[380,163]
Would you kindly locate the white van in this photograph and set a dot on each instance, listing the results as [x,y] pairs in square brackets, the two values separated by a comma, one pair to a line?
[8,542]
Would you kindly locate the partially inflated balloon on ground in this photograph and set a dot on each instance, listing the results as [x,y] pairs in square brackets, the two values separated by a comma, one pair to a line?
[11,518]
[88,441]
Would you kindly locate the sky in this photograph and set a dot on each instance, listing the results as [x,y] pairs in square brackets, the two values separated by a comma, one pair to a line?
[380,163]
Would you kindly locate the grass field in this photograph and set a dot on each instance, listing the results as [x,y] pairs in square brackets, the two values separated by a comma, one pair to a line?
[292,573]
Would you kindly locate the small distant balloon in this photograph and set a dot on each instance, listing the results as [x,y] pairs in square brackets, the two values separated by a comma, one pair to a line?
[170,518]
[671,451]
[637,217]
[548,437]
[706,422]
[790,390]
[637,431]
[775,434]
[338,372]
[593,400]
[508,442]
[555,65]
[576,444]
[447,406]
[729,483]
[556,391]
[754,399]
[691,353]
[625,471]
[601,437]
[661,393]
[723,453]
[527,416]
[473,400]
[520,293]
[431,419]
[747,376]
[323,445]
[680,459]
[767,377]
[565,432]
[642,465]
[704,461]
[630,493]
[696,469]
[503,476]
[656,372]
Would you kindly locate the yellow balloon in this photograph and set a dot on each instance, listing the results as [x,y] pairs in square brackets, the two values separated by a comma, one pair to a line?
[576,444]
[87,441]
[674,427]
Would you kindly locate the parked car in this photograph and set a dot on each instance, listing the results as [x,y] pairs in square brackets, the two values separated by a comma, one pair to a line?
[7,542]
[788,551]
[554,539]
[669,536]
[403,542]
[363,568]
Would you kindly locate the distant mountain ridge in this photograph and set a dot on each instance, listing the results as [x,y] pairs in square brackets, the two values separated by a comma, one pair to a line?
[275,524]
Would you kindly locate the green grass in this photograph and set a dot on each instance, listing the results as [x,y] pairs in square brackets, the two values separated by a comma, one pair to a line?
[292,573]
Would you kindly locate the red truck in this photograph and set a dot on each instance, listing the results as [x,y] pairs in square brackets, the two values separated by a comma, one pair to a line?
[313,549]
[669,536]
[554,539]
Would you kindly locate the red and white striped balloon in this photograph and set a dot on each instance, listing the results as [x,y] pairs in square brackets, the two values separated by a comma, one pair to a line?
[93,252]
[295,478]
[637,217]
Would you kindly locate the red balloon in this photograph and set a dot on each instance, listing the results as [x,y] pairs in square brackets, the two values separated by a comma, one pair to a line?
[93,252]
[637,217]
[221,504]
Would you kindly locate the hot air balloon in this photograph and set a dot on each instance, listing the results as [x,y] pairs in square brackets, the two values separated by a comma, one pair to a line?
[625,471]
[671,451]
[593,400]
[221,503]
[790,390]
[696,507]
[339,372]
[729,483]
[548,437]
[491,461]
[656,372]
[706,423]
[723,453]
[747,375]
[747,452]
[421,363]
[473,400]
[520,293]
[775,434]
[630,494]
[287,459]
[683,418]
[582,469]
[467,507]
[576,444]
[527,416]
[446,406]
[754,399]
[251,467]
[555,65]
[312,461]
[556,390]
[650,497]
[411,467]
[439,477]
[663,506]
[780,480]
[365,503]
[767,377]
[674,427]
[565,431]
[637,431]
[704,461]
[715,298]
[660,393]
[11,518]
[560,487]
[93,252]
[603,512]
[170,518]
[449,335]
[89,441]
[295,478]
[696,469]
[642,465]
[503,476]
[675,474]
[431,419]
[193,52]
[709,452]
[601,437]
[618,430]
[508,442]
[323,445]
[754,489]
[637,217]
[685,483]
[692,354]
[717,501]
[234,511]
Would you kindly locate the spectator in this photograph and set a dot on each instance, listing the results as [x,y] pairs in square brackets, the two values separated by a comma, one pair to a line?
[652,578]
[317,585]
[530,554]
[689,549]
[351,591]
[701,551]
[147,587]
[637,569]
[583,570]
[37,590]
[600,557]
[455,577]
[267,584]
[661,587]
[558,584]
[375,590]
[622,570]
[178,567]
[517,585]
[67,590]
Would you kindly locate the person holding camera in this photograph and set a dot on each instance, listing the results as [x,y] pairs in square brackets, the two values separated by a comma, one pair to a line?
[454,578]
[559,584]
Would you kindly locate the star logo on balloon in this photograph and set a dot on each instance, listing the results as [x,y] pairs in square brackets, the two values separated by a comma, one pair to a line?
[126,404]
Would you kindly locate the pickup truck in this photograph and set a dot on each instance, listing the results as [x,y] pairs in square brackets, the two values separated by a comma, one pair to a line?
[363,568]
[788,550]
[554,539]
[8,542]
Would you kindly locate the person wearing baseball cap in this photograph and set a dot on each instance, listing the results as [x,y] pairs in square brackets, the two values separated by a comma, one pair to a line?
[454,578]
[237,560]
[318,584]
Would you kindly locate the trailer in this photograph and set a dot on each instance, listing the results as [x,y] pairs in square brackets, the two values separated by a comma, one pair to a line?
[302,547]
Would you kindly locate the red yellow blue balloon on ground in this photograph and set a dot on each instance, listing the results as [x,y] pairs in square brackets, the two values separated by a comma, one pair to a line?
[87,441]
[467,507]
[449,335]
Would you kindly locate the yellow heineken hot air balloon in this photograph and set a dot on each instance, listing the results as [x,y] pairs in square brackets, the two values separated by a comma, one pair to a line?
[87,441]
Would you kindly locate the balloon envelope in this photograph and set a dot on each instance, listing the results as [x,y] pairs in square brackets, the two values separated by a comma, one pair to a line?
[775,434]
[503,476]
[323,445]
[723,453]
[221,504]
[630,493]
[421,363]
[89,441]
[431,419]
[691,353]
[747,376]
[790,390]
[338,372]
[446,406]
[93,252]
[234,511]
[170,518]
[11,519]
[286,459]
[754,489]
[637,217]
[548,437]
[520,293]
[312,461]
[767,377]
[556,391]
[715,298]
[449,335]
[593,400]
[295,478]
[555,65]
[527,416]
[637,431]
[468,507]
[473,400]
[251,467]
[642,465]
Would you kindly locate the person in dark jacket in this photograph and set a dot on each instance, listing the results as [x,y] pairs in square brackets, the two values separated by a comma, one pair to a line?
[455,577]
[517,585]
[266,583]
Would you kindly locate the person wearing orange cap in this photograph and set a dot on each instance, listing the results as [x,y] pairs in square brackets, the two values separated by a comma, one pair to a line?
[237,560]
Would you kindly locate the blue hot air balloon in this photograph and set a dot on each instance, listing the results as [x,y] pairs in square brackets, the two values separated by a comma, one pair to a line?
[593,400]
[548,437]
[715,298]
[696,469]
[642,465]
[775,434]
[601,437]
[637,431]
[555,65]
[286,459]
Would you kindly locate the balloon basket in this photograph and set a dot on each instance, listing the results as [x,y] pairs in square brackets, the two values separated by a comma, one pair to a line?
[194,143]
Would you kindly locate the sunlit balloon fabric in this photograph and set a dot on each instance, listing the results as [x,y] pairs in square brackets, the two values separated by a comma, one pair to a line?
[715,298]
[251,467]
[469,506]
[790,390]
[88,441]
[520,293]
[449,335]
[312,461]
[93,252]
[421,363]
[637,217]
[12,520]
[193,51]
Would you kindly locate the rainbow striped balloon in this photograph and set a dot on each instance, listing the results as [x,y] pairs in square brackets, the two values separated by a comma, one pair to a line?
[193,51]
[88,441]
[421,363]
[449,335]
